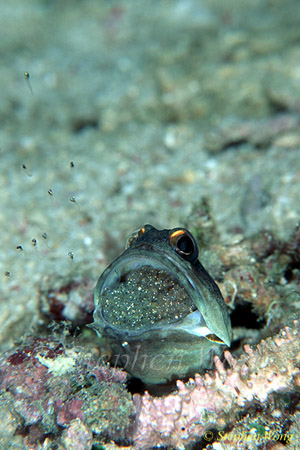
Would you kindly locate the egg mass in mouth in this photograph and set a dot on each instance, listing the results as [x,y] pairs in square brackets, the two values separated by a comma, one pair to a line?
[159,310]
[144,297]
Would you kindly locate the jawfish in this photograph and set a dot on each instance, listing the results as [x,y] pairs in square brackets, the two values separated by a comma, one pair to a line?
[161,312]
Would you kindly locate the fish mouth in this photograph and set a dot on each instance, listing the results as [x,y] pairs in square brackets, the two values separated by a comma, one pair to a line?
[138,294]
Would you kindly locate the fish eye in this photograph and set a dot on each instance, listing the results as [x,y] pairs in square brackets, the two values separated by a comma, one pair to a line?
[184,244]
[134,236]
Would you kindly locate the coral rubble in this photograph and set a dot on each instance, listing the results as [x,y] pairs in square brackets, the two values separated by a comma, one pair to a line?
[217,401]
[48,388]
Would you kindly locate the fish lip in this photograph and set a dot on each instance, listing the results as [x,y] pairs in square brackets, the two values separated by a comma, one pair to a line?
[139,258]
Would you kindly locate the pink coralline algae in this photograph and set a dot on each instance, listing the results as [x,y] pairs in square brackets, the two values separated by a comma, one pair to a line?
[50,388]
[215,401]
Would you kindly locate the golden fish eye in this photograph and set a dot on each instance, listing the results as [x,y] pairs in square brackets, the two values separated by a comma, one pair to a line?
[134,236]
[183,243]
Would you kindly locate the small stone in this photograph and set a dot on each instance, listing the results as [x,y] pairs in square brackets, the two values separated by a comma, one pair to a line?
[77,436]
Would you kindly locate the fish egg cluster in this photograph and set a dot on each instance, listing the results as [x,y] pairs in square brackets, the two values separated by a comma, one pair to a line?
[145,297]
